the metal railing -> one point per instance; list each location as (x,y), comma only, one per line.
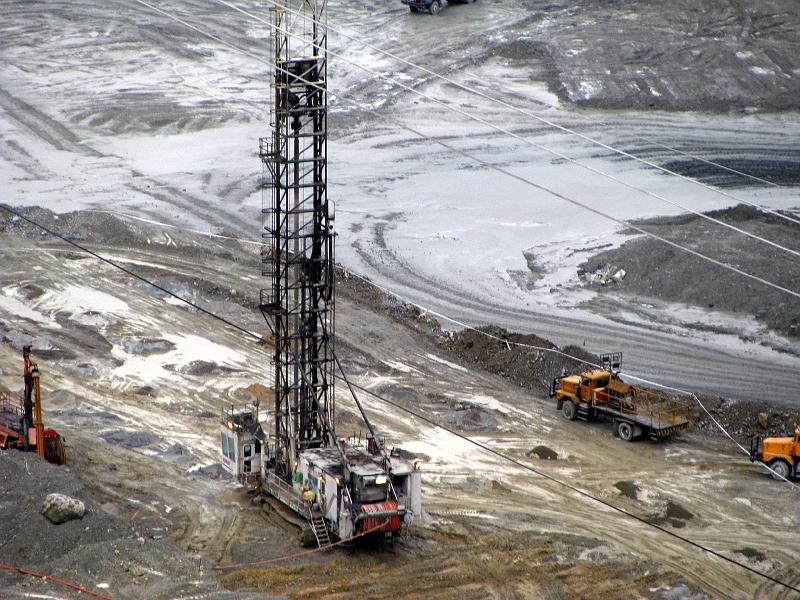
(285,492)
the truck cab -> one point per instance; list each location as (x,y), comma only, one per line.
(780,454)
(578,389)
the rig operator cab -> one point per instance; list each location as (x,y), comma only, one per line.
(636,412)
(780,454)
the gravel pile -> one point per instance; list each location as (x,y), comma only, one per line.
(741,418)
(98,552)
(657,271)
(527,367)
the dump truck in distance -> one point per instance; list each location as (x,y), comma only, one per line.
(780,454)
(636,412)
(433,7)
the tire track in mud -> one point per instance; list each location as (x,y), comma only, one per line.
(62,138)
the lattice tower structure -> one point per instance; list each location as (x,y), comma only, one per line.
(298,250)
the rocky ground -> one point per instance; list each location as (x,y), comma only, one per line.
(136,381)
(655,275)
(102,552)
(633,63)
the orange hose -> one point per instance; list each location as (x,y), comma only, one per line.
(54,580)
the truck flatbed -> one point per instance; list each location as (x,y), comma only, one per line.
(636,411)
(655,412)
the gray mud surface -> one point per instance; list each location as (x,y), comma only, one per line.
(148,463)
(682,55)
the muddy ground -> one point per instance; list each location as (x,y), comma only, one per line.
(140,413)
(656,274)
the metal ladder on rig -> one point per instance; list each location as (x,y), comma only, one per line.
(320,530)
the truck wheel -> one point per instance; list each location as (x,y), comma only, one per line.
(413,9)
(436,7)
(780,469)
(625,431)
(568,410)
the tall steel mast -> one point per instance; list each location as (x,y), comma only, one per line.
(298,255)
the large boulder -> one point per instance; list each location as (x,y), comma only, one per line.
(59,508)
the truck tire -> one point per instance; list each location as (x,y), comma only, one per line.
(780,469)
(625,431)
(568,410)
(435,7)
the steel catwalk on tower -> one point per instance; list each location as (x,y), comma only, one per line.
(298,253)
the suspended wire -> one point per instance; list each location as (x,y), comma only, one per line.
(133,274)
(415,414)
(558,352)
(510,133)
(482,161)
(514,108)
(487,164)
(570,487)
(411,412)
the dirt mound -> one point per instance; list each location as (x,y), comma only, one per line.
(530,368)
(654,270)
(99,552)
(629,489)
(76,226)
(472,419)
(542,453)
(741,418)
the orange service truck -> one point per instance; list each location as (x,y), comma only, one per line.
(780,454)
(635,411)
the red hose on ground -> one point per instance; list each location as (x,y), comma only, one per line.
(54,580)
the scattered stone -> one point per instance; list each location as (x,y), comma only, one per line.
(129,439)
(763,420)
(60,508)
(212,471)
(543,453)
(307,537)
(472,419)
(629,489)
(201,368)
(145,390)
(146,346)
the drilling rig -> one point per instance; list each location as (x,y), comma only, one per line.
(21,424)
(342,489)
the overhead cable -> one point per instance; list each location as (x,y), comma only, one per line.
(465,326)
